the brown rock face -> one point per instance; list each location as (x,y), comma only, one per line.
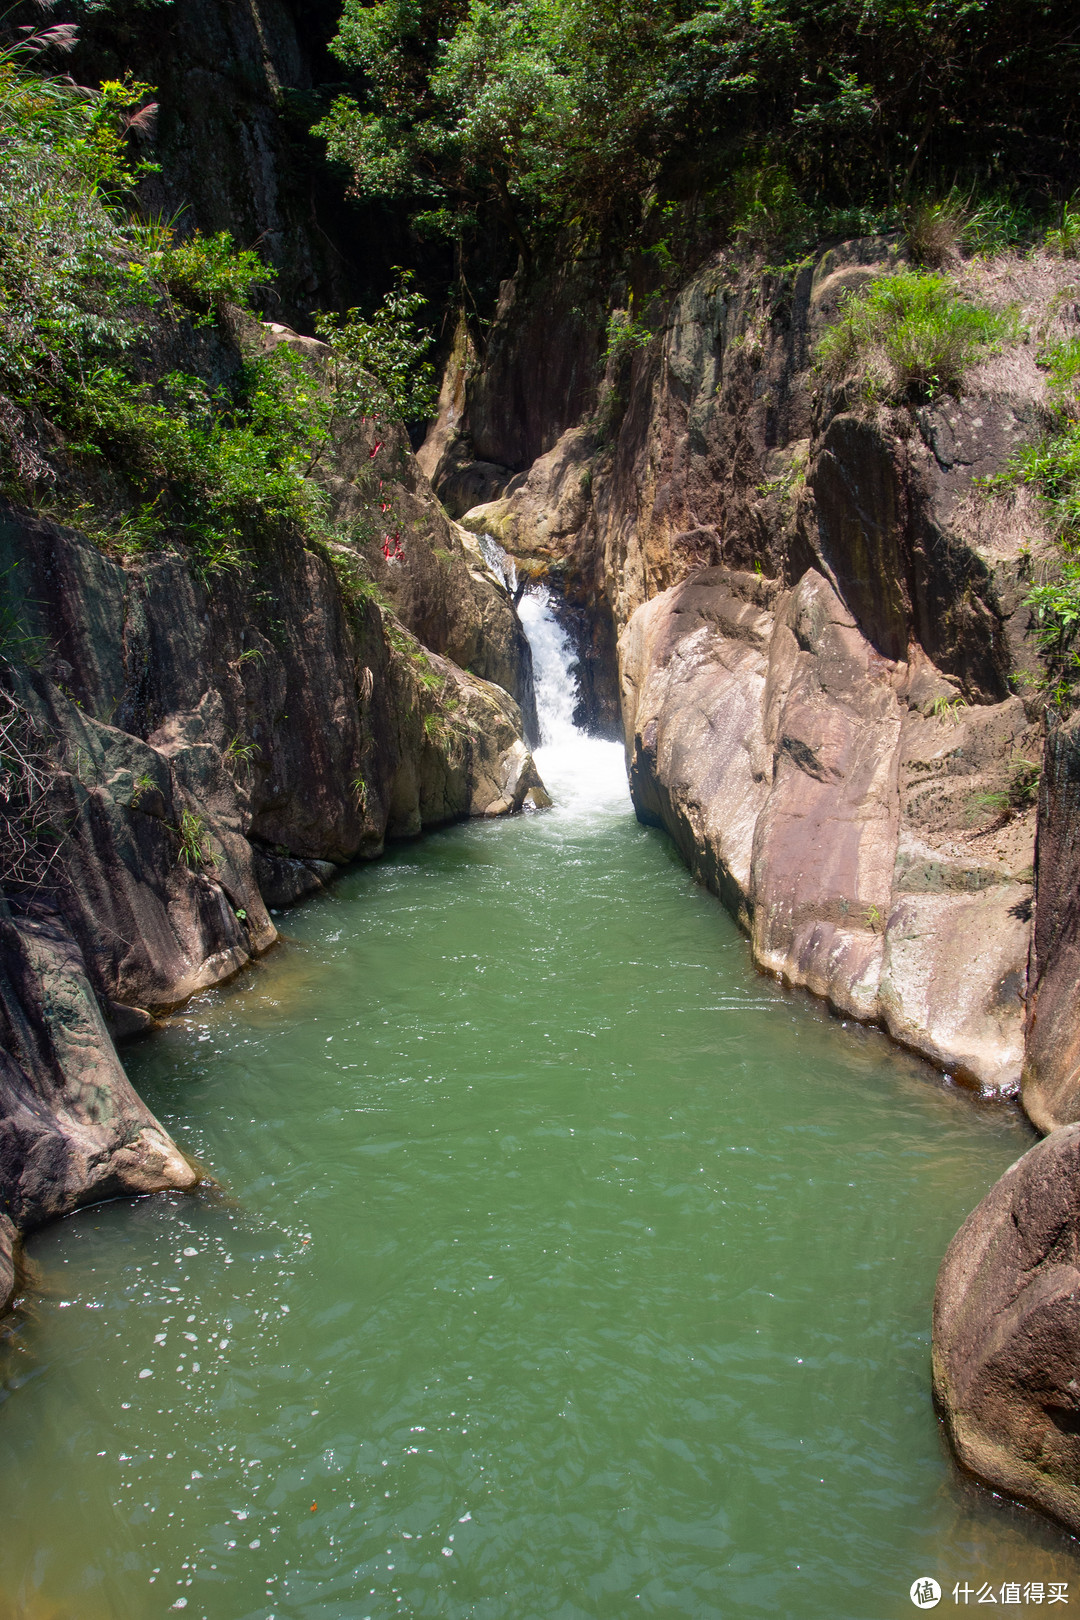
(790,763)
(211,746)
(72,1129)
(1052,1068)
(1007,1331)
(821,627)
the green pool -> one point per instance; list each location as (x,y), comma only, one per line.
(560,1265)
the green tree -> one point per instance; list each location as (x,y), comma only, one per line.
(546,111)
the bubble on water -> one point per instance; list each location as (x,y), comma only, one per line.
(255,1544)
(147,1372)
(189,1254)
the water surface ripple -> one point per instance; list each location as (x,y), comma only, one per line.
(562,1266)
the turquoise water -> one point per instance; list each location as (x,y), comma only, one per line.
(560,1265)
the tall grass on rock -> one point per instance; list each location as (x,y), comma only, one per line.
(912,335)
(1051,467)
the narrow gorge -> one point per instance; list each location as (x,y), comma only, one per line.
(546,841)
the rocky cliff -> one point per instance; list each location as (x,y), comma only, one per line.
(236,88)
(831,693)
(822,642)
(185,750)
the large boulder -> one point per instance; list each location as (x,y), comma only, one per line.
(1006,1340)
(72,1130)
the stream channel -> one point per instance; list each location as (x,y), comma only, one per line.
(560,1266)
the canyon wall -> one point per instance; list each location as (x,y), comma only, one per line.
(797,600)
(828,677)
(197,748)
(833,699)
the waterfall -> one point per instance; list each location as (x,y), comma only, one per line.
(580,772)
(554,680)
(499,561)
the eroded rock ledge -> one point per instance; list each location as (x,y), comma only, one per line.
(808,781)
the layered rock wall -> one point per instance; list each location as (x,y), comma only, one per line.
(792,763)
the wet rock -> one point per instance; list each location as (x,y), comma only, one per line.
(1051,1088)
(283,881)
(1006,1340)
(126,1022)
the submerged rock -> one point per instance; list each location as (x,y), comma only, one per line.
(1007,1332)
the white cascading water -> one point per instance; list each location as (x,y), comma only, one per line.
(499,561)
(579,771)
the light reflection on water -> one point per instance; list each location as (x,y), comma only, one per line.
(561,1266)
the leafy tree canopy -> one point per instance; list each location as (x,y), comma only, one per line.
(550,111)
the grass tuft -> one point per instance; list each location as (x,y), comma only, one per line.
(913,335)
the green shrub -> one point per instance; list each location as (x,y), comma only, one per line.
(356,587)
(193,839)
(147,457)
(1062,362)
(913,334)
(938,230)
(1056,605)
(214,467)
(995,222)
(201,272)
(1052,469)
(625,335)
(768,207)
(380,366)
